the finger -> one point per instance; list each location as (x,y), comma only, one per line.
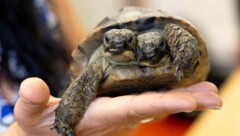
(125,108)
(205,94)
(131,108)
(202,86)
(34,95)
(135,107)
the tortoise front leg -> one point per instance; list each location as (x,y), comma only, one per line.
(184,49)
(78,96)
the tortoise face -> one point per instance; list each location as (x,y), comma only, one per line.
(119,45)
(151,49)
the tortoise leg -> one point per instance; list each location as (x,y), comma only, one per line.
(184,49)
(78,96)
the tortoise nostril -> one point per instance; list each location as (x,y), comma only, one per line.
(118,44)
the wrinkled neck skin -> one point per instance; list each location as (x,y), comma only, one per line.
(114,63)
(126,58)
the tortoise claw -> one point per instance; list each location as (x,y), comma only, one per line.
(63,129)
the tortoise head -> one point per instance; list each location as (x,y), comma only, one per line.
(119,45)
(151,49)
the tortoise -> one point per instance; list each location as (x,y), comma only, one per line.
(137,50)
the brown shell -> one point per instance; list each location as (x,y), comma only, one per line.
(140,20)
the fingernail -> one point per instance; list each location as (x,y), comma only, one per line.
(215,107)
(147,120)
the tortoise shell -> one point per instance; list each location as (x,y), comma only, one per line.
(141,78)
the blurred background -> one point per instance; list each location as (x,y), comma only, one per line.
(217,21)
(38,36)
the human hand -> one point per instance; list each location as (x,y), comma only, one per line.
(34,110)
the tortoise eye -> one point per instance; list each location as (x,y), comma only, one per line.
(162,46)
(106,40)
(130,40)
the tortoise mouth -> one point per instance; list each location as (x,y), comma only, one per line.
(115,51)
(153,58)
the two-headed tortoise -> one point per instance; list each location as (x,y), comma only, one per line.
(137,50)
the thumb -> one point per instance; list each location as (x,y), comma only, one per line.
(34,95)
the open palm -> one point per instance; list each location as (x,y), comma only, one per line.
(34,110)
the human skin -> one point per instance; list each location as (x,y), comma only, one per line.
(34,110)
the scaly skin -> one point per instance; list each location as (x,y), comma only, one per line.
(151,49)
(78,96)
(184,49)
